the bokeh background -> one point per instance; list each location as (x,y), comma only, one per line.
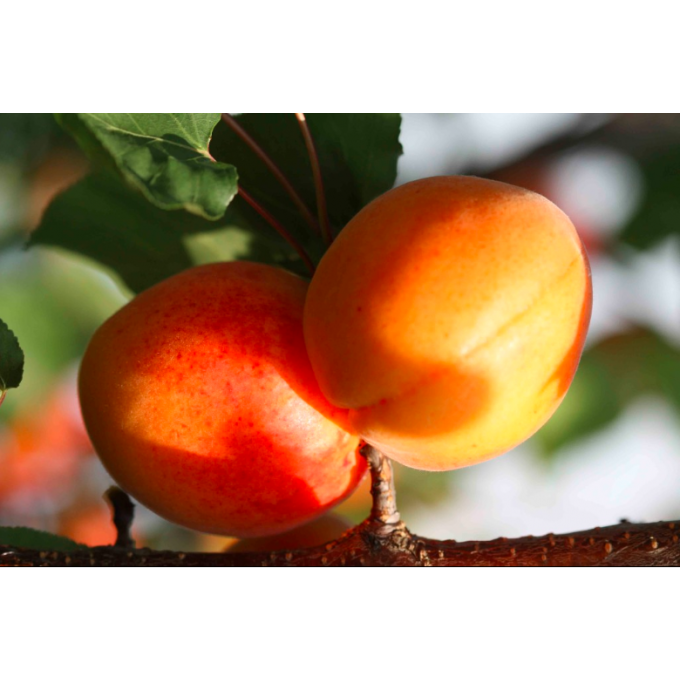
(612,450)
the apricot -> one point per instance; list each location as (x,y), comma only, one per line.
(201,403)
(449,317)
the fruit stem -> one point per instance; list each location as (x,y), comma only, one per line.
(274,169)
(123,514)
(280,229)
(384,511)
(318,179)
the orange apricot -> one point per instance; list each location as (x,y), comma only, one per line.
(449,317)
(200,401)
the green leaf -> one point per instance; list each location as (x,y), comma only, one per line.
(358,153)
(612,374)
(22,537)
(241,243)
(164,155)
(101,218)
(11,360)
(358,156)
(658,215)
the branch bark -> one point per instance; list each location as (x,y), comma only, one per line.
(383,540)
(625,544)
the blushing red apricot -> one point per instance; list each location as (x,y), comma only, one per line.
(201,403)
(449,317)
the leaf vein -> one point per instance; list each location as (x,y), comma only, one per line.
(115,128)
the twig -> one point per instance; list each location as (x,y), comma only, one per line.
(384,512)
(123,515)
(274,169)
(280,229)
(318,179)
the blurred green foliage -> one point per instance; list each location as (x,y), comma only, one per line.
(612,374)
(26,138)
(658,215)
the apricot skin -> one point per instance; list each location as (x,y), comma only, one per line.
(201,403)
(449,317)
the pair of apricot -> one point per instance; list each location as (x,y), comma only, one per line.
(443,326)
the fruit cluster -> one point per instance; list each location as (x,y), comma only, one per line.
(443,326)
